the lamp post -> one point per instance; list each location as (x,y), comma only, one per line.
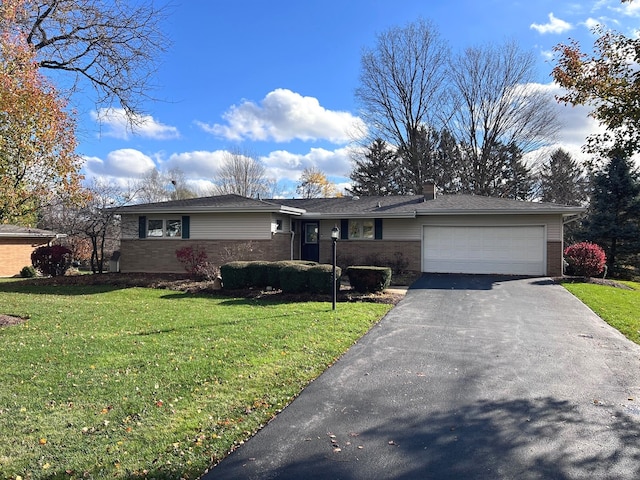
(335,233)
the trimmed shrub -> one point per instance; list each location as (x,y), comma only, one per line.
(369,279)
(585,259)
(28,272)
(52,260)
(294,278)
(257,273)
(273,270)
(235,275)
(320,278)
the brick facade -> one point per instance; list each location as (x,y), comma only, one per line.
(15,253)
(554,259)
(360,252)
(159,255)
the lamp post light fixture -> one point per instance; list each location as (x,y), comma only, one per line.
(335,233)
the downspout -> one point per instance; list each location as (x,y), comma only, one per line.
(293,235)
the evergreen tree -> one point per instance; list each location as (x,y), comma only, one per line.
(517,181)
(614,218)
(436,158)
(502,173)
(562,180)
(376,173)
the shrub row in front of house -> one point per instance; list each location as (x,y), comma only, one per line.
(299,276)
(290,276)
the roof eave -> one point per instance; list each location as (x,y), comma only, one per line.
(208,209)
(564,212)
(337,216)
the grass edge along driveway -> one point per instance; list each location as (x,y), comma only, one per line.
(618,307)
(102,382)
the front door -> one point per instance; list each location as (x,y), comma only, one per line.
(310,237)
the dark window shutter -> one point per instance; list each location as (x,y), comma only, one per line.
(344,229)
(142,227)
(377,227)
(186,225)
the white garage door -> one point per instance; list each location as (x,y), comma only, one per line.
(503,250)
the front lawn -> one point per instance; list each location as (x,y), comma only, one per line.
(618,307)
(108,382)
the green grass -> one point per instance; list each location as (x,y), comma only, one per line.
(126,383)
(618,307)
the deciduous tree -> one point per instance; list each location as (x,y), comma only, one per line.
(38,162)
(314,184)
(110,46)
(402,84)
(241,174)
(161,186)
(498,108)
(608,81)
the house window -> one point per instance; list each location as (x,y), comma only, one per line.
(164,228)
(174,228)
(279,224)
(361,229)
(155,228)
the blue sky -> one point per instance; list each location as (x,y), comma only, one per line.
(277,79)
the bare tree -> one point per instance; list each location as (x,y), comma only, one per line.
(161,186)
(402,87)
(95,222)
(498,105)
(241,174)
(112,44)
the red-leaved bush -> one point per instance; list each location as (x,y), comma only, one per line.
(585,259)
(52,260)
(196,263)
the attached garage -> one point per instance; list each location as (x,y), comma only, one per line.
(511,250)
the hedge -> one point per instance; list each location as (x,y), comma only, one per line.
(366,279)
(235,275)
(320,278)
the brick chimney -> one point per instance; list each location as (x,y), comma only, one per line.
(429,190)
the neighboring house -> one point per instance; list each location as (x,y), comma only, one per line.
(17,244)
(456,234)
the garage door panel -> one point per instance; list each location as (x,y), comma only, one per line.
(503,250)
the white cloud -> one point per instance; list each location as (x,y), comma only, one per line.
(118,125)
(283,165)
(197,164)
(592,23)
(123,163)
(631,9)
(555,25)
(282,116)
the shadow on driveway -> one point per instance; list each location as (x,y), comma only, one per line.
(452,281)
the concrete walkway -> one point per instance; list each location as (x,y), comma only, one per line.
(467,377)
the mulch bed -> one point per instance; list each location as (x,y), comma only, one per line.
(598,281)
(9,320)
(180,283)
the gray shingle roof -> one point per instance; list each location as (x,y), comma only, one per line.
(18,231)
(379,206)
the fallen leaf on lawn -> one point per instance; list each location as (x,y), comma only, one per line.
(42,441)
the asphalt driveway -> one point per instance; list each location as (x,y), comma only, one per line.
(468,377)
